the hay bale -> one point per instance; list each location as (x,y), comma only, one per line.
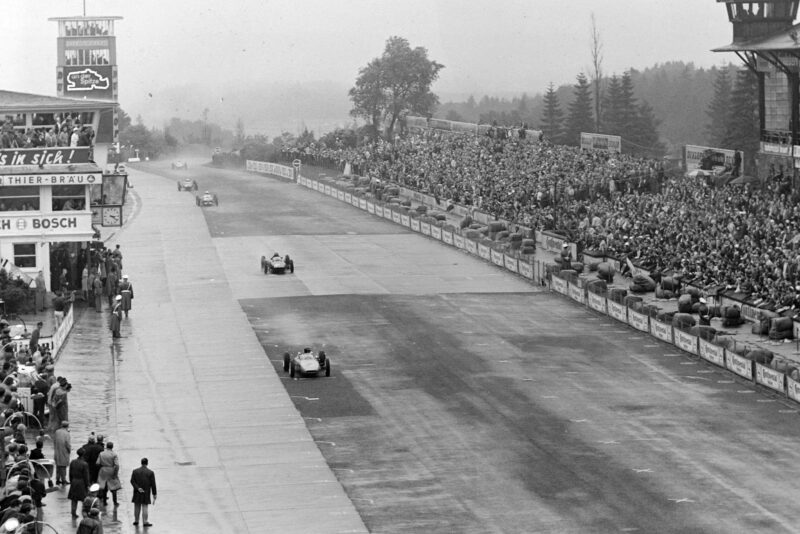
(527,250)
(780,364)
(685,303)
(568,275)
(598,287)
(514,245)
(501,235)
(781,323)
(617,294)
(496,226)
(606,271)
(637,306)
(406,203)
(767,314)
(694,292)
(761,327)
(669,283)
(762,356)
(466,222)
(593,266)
(665,316)
(577,266)
(683,321)
(707,333)
(422,208)
(472,234)
(631,299)
(529,243)
(730,312)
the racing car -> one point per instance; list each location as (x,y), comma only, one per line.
(306,363)
(187,184)
(276,264)
(206,199)
(179,165)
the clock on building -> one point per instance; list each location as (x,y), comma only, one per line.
(112,215)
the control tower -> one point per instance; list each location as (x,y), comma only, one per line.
(87,65)
(768,42)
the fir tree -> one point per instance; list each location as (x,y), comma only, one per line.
(552,122)
(719,109)
(742,125)
(611,103)
(579,113)
(642,138)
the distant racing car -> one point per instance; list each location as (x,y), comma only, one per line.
(179,165)
(276,264)
(187,184)
(206,199)
(306,363)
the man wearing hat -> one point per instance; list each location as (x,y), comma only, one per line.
(62,446)
(116,316)
(79,481)
(91,501)
(126,291)
(566,257)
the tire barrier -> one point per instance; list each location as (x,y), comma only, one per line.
(762,368)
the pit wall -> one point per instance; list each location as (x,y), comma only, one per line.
(535,271)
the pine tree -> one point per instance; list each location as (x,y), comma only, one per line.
(642,138)
(719,109)
(628,113)
(611,107)
(742,125)
(579,114)
(552,122)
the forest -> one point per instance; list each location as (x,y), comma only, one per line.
(678,96)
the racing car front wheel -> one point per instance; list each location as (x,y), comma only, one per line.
(287,360)
(327,367)
(291,370)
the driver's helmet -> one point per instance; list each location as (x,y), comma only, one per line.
(206,193)
(306,350)
(276,255)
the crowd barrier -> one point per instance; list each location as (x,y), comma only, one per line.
(53,342)
(265,167)
(535,270)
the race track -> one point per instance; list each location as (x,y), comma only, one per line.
(465,400)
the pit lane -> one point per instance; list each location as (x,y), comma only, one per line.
(464,400)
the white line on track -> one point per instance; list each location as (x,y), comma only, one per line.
(681,500)
(697,378)
(305,398)
(643,470)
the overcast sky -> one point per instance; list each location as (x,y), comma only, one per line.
(486,46)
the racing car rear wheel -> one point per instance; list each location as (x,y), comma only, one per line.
(291,370)
(287,360)
(327,367)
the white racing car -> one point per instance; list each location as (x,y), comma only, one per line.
(179,165)
(306,363)
(276,264)
(187,184)
(206,199)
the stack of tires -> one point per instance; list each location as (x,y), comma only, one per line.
(781,328)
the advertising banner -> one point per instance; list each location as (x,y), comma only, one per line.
(459,241)
(661,331)
(769,377)
(576,293)
(484,252)
(525,269)
(447,237)
(65,223)
(425,228)
(639,321)
(378,210)
(618,311)
(371,208)
(348,198)
(559,285)
(471,246)
(17,157)
(51,179)
(388,213)
(340,195)
(314,185)
(597,302)
(436,232)
(415,225)
(496,257)
(741,366)
(693,156)
(405,220)
(712,353)
(354,200)
(510,262)
(553,243)
(606,143)
(396,217)
(93,82)
(685,341)
(327,189)
(793,389)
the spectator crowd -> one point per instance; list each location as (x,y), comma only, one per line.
(738,237)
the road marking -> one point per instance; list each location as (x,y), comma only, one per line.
(697,378)
(305,398)
(503,361)
(527,379)
(579,420)
(317,419)
(630,529)
(745,391)
(342,469)
(362,499)
(549,397)
(331,443)
(688,363)
(787,411)
(725,381)
(765,400)
(643,470)
(682,500)
(652,346)
(706,371)
(608,442)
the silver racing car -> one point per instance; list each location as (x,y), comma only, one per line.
(306,363)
